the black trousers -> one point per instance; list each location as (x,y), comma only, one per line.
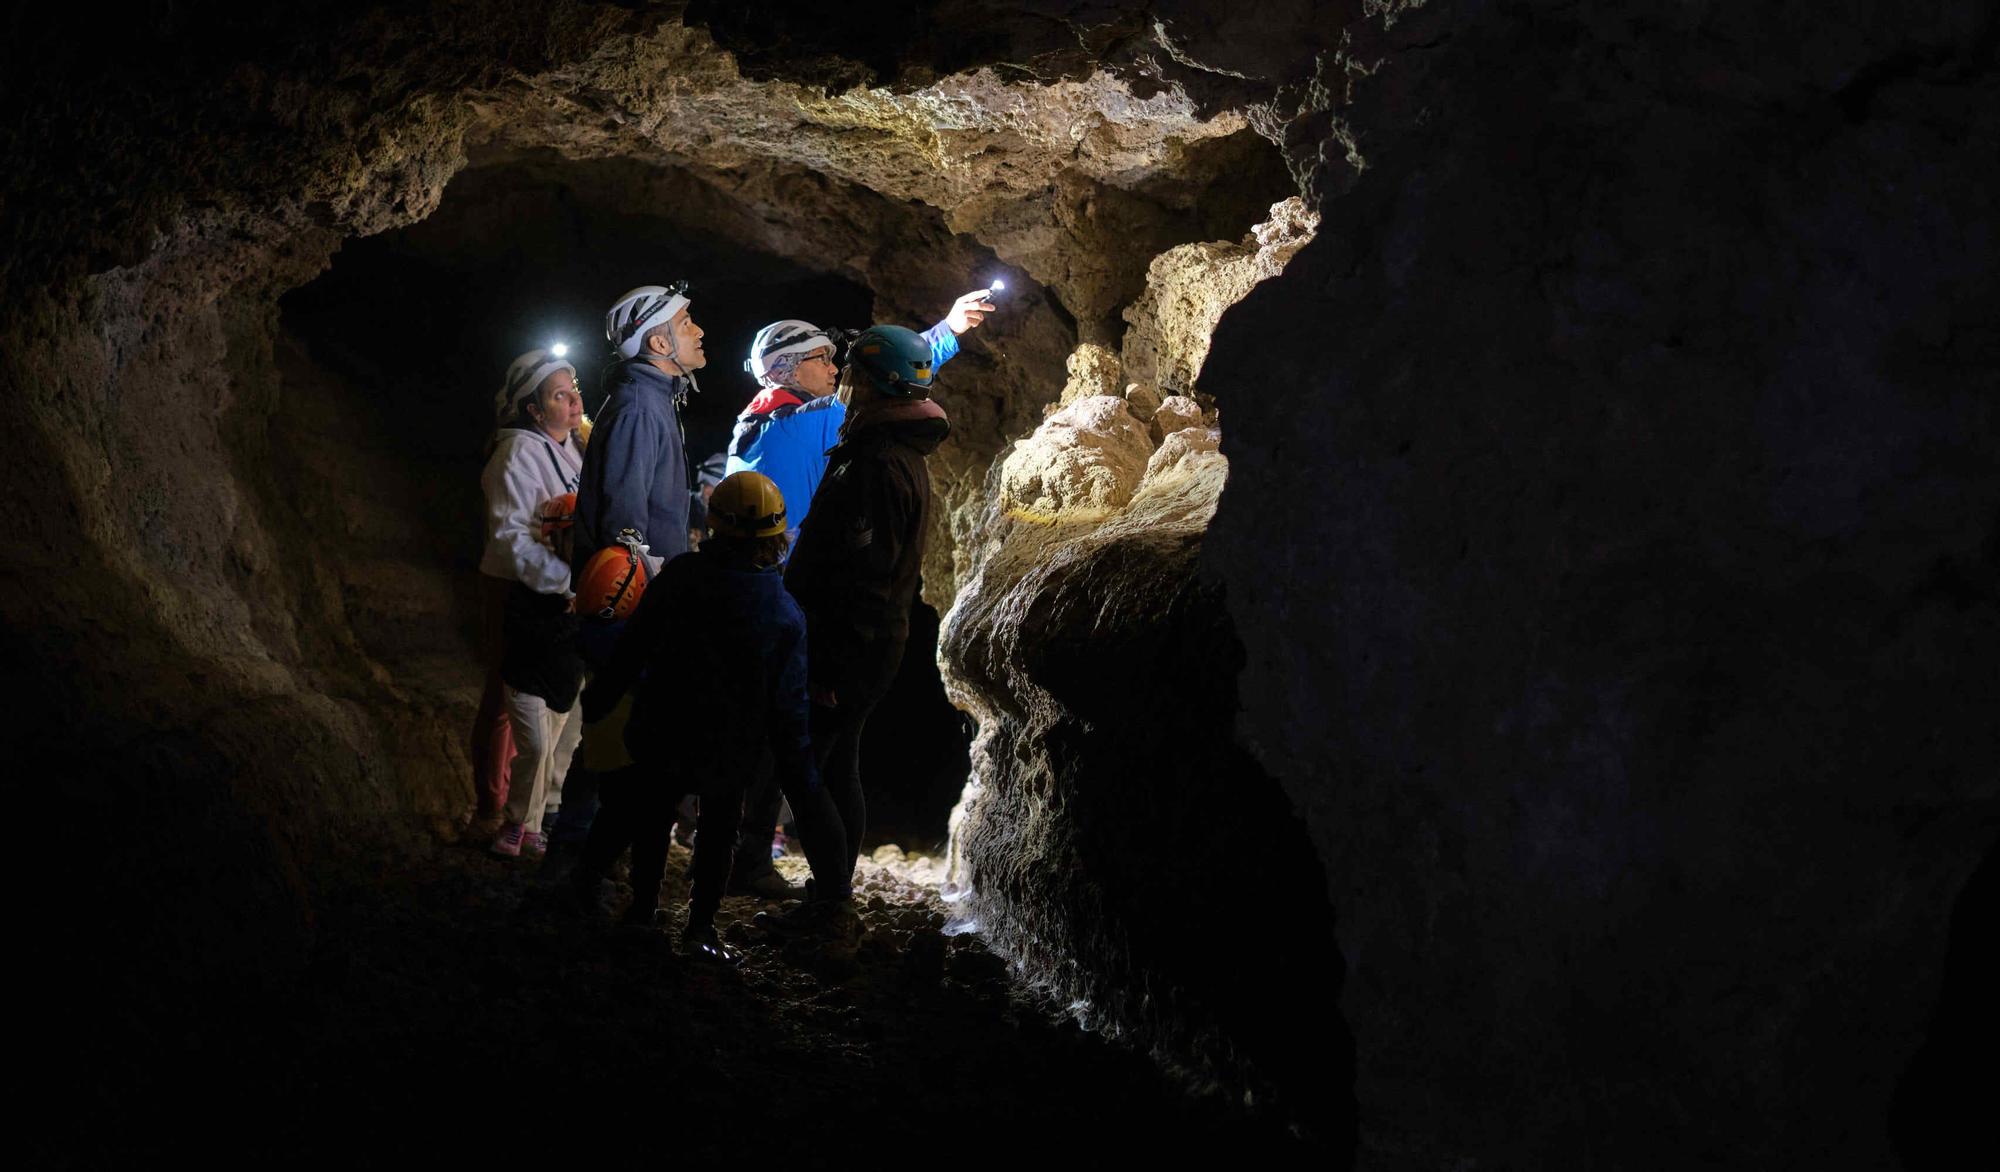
(638,812)
(762,799)
(841,811)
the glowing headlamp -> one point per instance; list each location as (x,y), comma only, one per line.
(559,349)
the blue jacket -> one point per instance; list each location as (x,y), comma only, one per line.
(718,657)
(635,473)
(790,444)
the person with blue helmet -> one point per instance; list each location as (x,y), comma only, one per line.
(785,433)
(855,571)
(787,429)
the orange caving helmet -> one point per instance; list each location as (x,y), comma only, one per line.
(613,580)
(557,518)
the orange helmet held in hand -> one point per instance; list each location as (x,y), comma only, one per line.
(613,580)
(557,516)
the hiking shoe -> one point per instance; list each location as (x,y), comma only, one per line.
(818,917)
(767,885)
(646,919)
(508,843)
(703,944)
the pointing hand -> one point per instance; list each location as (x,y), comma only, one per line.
(968,311)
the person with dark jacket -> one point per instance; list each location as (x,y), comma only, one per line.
(714,660)
(635,472)
(785,432)
(860,549)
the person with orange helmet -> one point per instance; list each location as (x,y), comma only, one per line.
(533,467)
(708,677)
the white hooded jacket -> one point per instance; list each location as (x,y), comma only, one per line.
(526,469)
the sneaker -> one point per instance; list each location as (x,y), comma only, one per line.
(768,885)
(508,844)
(535,844)
(703,944)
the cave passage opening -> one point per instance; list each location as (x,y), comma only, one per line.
(392,356)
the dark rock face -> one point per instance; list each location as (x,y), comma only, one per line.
(1617,572)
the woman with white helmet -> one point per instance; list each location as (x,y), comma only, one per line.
(535,458)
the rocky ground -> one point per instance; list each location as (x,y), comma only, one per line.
(453,1009)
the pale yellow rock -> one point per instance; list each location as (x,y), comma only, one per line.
(1176,413)
(1093,370)
(1188,288)
(1083,462)
(1181,450)
(1143,399)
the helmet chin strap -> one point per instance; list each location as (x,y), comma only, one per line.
(673,355)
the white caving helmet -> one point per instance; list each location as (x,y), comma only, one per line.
(780,338)
(640,310)
(525,376)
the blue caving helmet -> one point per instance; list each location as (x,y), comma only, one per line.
(896,360)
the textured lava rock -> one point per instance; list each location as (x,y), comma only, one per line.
(1617,570)
(1144,870)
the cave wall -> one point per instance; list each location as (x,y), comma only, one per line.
(1609,554)
(1618,578)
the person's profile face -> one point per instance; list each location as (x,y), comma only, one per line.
(816,372)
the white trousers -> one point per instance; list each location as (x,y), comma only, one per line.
(544,741)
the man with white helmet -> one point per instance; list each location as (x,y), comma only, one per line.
(786,431)
(635,474)
(635,471)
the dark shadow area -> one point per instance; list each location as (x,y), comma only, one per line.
(913,754)
(1943,1106)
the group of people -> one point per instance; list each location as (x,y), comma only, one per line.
(734,636)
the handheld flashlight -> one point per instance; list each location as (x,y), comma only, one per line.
(998,286)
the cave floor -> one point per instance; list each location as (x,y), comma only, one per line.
(452,1010)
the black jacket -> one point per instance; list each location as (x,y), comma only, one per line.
(717,656)
(540,655)
(860,550)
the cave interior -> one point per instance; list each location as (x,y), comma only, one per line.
(1458,631)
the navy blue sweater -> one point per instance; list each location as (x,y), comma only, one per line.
(635,473)
(718,657)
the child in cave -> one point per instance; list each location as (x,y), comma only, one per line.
(715,661)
